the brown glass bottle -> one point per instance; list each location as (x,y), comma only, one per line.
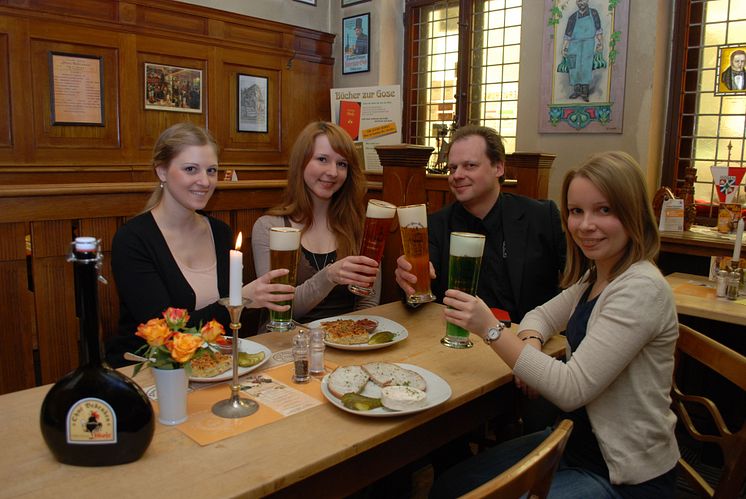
(94,416)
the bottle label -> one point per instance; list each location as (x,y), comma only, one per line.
(91,421)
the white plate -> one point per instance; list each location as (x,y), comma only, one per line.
(438,391)
(243,346)
(384,324)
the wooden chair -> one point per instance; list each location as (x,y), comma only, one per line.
(532,474)
(732,366)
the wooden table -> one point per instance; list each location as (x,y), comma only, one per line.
(322,451)
(697,243)
(695,296)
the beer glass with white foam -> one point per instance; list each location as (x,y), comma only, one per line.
(413,226)
(378,218)
(465,260)
(284,249)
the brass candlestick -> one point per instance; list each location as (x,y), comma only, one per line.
(234,407)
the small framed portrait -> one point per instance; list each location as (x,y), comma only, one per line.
(347,3)
(356,44)
(731,71)
(76,89)
(171,88)
(252,104)
(309,2)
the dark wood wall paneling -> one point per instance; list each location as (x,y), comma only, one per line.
(126,34)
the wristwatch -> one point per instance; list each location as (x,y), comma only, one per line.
(494,333)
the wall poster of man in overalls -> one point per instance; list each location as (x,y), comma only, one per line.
(583,66)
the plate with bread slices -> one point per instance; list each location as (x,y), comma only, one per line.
(384,389)
(360,332)
(217,366)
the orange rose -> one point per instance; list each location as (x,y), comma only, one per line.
(155,332)
(211,331)
(182,346)
(176,318)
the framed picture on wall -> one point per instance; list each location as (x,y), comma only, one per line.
(347,3)
(76,89)
(171,88)
(731,71)
(309,2)
(252,104)
(356,44)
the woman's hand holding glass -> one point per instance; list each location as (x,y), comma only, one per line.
(262,293)
(356,270)
(468,311)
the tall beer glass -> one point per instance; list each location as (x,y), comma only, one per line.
(284,248)
(413,225)
(378,218)
(463,274)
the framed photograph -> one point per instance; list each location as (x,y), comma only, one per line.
(76,89)
(309,2)
(583,66)
(356,44)
(252,104)
(731,71)
(171,88)
(347,3)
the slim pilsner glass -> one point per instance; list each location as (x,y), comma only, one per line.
(413,225)
(378,218)
(284,248)
(463,274)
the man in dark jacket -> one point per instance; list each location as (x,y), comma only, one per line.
(524,252)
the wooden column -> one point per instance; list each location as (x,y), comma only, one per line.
(531,172)
(403,184)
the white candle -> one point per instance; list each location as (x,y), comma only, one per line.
(737,247)
(236,275)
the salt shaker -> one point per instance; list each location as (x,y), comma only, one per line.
(722,282)
(317,351)
(300,357)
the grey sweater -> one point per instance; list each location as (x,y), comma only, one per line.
(621,372)
(312,286)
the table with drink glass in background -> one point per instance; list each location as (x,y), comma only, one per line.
(321,451)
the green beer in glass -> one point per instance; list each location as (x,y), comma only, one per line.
(284,250)
(463,274)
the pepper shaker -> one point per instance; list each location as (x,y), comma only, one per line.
(734,285)
(317,351)
(300,357)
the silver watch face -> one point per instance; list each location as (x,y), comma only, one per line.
(493,333)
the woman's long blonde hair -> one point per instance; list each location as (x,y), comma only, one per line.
(619,178)
(170,144)
(346,211)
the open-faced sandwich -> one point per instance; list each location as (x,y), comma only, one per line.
(400,389)
(346,332)
(211,364)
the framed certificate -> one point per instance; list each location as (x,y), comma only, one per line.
(76,89)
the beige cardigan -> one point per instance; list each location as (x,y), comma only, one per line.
(621,372)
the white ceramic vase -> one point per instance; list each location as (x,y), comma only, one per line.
(171,390)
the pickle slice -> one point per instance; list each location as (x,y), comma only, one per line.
(381,337)
(358,402)
(249,359)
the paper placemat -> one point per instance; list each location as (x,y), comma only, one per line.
(272,388)
(695,290)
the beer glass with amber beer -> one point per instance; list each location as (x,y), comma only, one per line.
(378,218)
(465,259)
(413,225)
(284,248)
